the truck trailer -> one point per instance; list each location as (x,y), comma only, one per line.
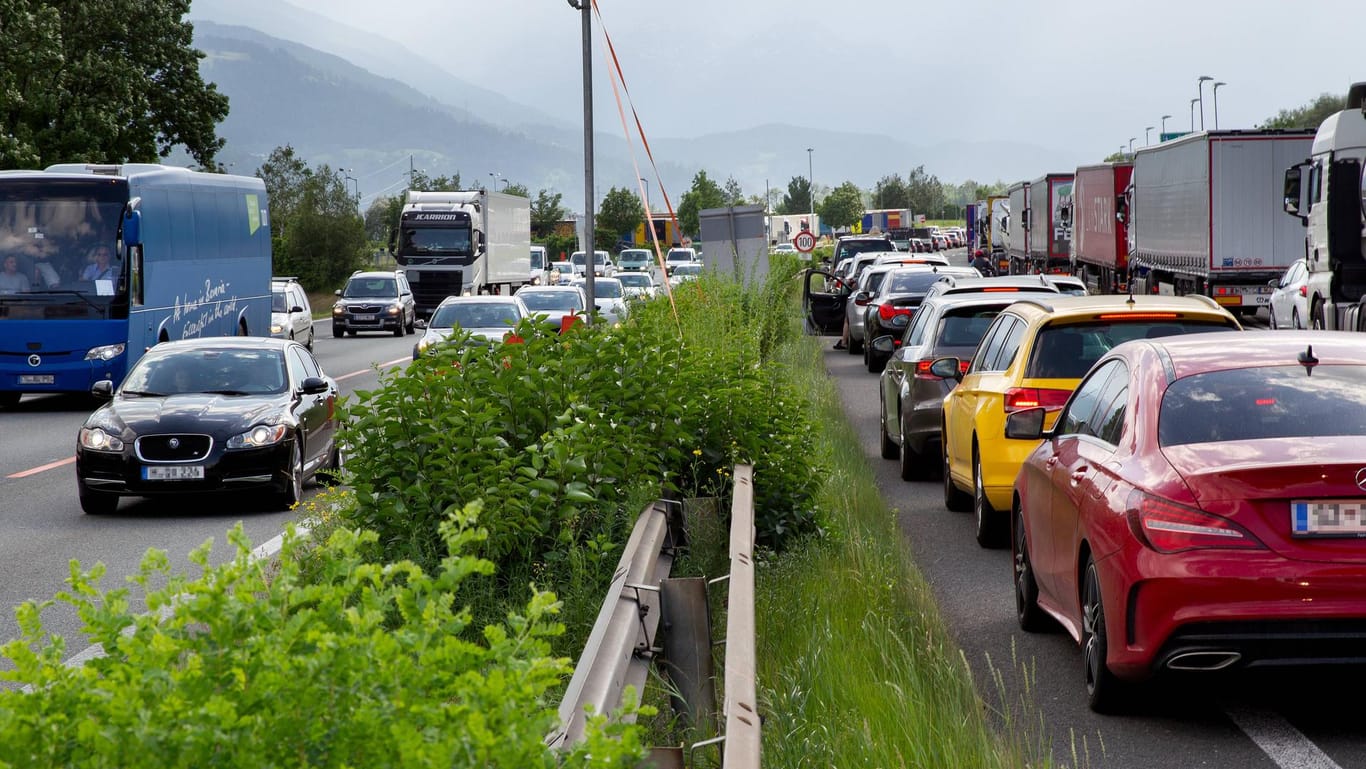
(1205,215)
(1017,229)
(463,242)
(1327,193)
(883,220)
(1100,236)
(1050,224)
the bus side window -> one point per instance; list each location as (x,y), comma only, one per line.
(135,294)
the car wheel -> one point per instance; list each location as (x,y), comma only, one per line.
(294,489)
(989,525)
(889,448)
(309,343)
(912,461)
(1271,311)
(338,332)
(398,330)
(331,475)
(1295,321)
(1103,690)
(350,332)
(955,498)
(1032,619)
(412,323)
(97,502)
(872,360)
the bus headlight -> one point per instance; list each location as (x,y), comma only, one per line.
(258,436)
(105,352)
(96,439)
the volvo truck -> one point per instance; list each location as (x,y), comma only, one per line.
(464,242)
(1327,193)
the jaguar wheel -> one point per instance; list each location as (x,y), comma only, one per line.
(294,488)
(97,502)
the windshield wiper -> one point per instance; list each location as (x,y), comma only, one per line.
(227,392)
(144,393)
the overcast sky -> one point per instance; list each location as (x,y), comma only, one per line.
(1080,75)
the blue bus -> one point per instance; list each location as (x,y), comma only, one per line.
(100,262)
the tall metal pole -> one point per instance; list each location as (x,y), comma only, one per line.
(1193,102)
(1216,104)
(589,250)
(1131,145)
(1147,136)
(811,193)
(1164,127)
(1200,88)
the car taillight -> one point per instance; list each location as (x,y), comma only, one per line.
(886,311)
(1168,527)
(1021,398)
(922,369)
(1304,291)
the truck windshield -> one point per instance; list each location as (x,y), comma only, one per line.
(58,249)
(434,242)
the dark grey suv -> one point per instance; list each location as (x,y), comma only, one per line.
(374,301)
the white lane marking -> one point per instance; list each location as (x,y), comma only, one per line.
(1281,742)
(394,362)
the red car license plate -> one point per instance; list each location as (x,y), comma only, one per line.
(1328,518)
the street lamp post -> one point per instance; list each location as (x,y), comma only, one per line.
(645,183)
(1200,88)
(1216,103)
(1193,103)
(1131,145)
(1147,135)
(811,191)
(1164,127)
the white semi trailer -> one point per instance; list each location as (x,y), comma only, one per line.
(463,242)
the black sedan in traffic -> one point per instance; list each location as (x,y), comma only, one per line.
(210,416)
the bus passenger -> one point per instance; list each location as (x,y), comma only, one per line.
(11,280)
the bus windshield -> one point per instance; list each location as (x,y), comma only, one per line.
(58,249)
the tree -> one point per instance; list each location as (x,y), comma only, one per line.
(315,231)
(843,206)
(926,192)
(1310,115)
(113,81)
(382,216)
(619,214)
(519,190)
(798,197)
(424,183)
(703,194)
(546,212)
(734,195)
(892,192)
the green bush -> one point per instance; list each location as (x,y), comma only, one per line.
(362,664)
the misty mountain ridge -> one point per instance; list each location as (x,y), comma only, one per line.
(355,100)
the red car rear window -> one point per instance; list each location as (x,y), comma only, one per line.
(1268,402)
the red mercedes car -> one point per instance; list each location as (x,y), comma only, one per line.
(1200,505)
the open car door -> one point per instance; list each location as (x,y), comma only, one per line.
(823,299)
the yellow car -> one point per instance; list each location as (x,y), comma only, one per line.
(1035,353)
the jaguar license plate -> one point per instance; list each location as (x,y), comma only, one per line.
(1328,518)
(173,473)
(36,379)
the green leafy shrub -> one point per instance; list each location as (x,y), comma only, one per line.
(363,664)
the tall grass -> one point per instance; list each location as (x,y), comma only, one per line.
(856,666)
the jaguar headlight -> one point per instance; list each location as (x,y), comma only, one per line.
(258,436)
(96,439)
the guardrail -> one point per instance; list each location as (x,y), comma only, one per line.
(626,638)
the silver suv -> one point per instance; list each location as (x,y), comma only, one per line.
(291,317)
(374,301)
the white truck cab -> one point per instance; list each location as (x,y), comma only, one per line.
(1328,193)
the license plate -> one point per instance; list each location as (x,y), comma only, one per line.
(365,317)
(1328,518)
(1261,300)
(36,379)
(173,473)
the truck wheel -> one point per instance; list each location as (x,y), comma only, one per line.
(1316,315)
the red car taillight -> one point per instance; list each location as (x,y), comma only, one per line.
(886,311)
(1168,527)
(922,369)
(1021,398)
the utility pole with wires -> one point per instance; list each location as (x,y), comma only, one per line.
(585,8)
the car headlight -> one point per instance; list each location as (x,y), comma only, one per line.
(96,439)
(339,309)
(258,436)
(422,345)
(105,352)
(277,328)
(395,308)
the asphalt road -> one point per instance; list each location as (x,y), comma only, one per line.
(1298,719)
(42,527)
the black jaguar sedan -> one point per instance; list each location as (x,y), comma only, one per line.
(211,416)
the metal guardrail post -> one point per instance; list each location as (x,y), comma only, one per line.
(622,642)
(741,701)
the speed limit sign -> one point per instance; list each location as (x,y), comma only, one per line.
(804,241)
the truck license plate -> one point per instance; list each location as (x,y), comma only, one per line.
(173,473)
(36,379)
(1328,518)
